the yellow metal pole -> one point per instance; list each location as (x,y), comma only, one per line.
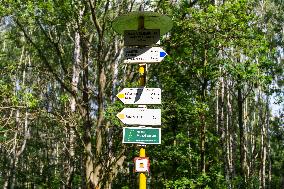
(142,152)
(142,75)
(142,176)
(142,83)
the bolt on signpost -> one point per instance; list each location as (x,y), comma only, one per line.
(142,32)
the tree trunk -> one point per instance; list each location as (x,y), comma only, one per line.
(226,136)
(268,144)
(18,148)
(264,126)
(245,121)
(229,131)
(87,123)
(241,132)
(74,86)
(202,116)
(242,138)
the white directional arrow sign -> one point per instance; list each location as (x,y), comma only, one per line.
(140,95)
(140,116)
(144,55)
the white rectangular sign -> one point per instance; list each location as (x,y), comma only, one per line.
(140,95)
(144,55)
(141,37)
(140,116)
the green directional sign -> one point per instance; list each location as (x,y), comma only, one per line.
(142,135)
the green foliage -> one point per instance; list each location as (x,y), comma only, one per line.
(30,100)
(214,51)
(181,183)
(277,152)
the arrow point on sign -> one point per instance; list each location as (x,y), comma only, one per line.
(163,54)
(120,116)
(120,95)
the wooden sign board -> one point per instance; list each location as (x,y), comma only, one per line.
(141,37)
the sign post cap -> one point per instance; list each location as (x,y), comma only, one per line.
(152,20)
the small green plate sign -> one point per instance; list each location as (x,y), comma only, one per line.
(141,135)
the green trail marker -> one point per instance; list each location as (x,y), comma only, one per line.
(141,135)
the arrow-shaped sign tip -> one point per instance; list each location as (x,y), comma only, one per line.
(120,95)
(163,54)
(120,116)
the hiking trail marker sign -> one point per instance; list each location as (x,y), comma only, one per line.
(142,164)
(143,55)
(141,37)
(141,95)
(142,135)
(140,116)
(142,30)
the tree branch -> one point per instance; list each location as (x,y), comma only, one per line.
(94,17)
(55,45)
(44,59)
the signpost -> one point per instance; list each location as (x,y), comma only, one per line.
(140,116)
(142,30)
(144,55)
(140,95)
(141,135)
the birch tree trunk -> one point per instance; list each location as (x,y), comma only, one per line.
(268,143)
(225,131)
(202,115)
(263,156)
(246,133)
(21,129)
(242,142)
(229,131)
(74,88)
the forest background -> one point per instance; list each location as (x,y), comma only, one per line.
(61,68)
